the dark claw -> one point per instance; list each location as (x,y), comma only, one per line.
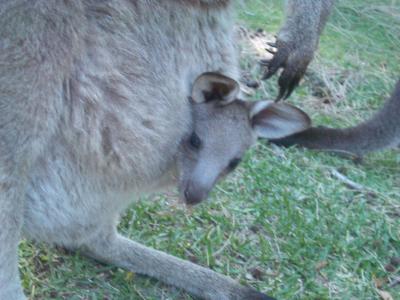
(264,62)
(273,52)
(287,85)
(278,61)
(292,85)
(282,92)
(294,62)
(290,77)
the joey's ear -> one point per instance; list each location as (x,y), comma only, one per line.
(272,120)
(214,87)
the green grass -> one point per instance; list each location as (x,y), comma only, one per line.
(282,223)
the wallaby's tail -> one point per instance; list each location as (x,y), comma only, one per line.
(381,131)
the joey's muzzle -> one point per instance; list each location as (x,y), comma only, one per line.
(199,183)
(194,193)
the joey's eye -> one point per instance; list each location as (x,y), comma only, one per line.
(234,163)
(195,141)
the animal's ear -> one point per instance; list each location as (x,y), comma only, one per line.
(214,87)
(273,120)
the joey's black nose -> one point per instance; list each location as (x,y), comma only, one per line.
(194,194)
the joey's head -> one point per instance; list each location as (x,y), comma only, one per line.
(224,127)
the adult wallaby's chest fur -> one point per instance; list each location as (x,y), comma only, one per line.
(129,87)
(125,110)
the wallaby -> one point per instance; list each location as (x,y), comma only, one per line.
(73,202)
(381,131)
(297,41)
(93,108)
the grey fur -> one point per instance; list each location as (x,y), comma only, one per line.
(297,41)
(379,132)
(93,109)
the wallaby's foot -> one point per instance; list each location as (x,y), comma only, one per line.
(201,282)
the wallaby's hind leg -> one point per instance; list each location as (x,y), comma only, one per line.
(110,247)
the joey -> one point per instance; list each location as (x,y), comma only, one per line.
(224,128)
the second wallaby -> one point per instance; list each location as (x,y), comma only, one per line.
(71,202)
(379,132)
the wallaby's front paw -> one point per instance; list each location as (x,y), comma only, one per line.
(294,58)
